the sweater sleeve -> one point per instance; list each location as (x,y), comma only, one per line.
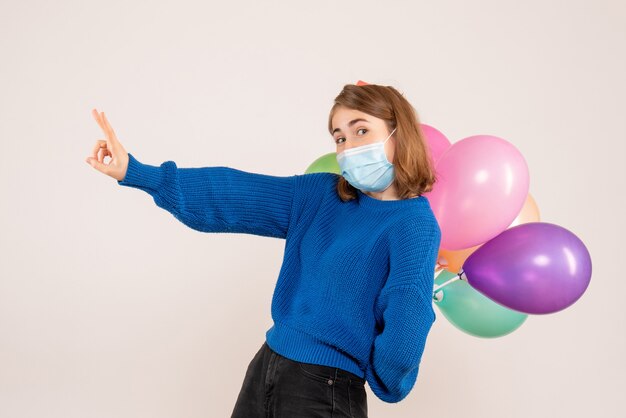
(405,307)
(217,199)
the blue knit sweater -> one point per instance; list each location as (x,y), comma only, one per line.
(355,287)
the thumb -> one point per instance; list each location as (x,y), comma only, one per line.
(96,164)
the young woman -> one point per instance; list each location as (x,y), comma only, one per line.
(353,300)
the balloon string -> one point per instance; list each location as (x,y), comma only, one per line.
(455,278)
(459,276)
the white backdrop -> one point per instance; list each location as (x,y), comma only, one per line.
(110,307)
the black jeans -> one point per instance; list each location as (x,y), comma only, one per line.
(275,386)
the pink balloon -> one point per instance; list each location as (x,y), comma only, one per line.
(482,185)
(437,142)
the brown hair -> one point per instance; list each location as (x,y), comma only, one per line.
(414,174)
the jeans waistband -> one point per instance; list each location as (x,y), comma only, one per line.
(338,374)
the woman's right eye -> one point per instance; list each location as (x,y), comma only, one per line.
(337,140)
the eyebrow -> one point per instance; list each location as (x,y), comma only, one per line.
(352,122)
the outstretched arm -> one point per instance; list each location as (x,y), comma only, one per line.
(208,199)
(217,199)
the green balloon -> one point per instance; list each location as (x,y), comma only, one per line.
(327,163)
(472,312)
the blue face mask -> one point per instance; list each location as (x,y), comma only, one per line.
(366,167)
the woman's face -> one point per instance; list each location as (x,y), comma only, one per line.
(353,128)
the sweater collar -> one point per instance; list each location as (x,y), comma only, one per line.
(371,202)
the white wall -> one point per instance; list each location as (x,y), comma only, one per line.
(110,307)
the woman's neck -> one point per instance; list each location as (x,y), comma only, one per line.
(388,194)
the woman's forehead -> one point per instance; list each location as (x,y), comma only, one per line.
(343,116)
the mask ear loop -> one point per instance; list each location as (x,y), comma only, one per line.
(394,129)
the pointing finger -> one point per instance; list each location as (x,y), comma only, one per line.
(107,125)
(110,135)
(98,119)
(112,138)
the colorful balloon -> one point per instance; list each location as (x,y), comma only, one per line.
(482,184)
(437,142)
(529,212)
(535,268)
(452,260)
(472,312)
(327,163)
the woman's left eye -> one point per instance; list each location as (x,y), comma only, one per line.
(362,129)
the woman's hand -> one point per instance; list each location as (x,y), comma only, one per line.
(111,147)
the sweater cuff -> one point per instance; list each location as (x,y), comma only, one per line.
(142,176)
